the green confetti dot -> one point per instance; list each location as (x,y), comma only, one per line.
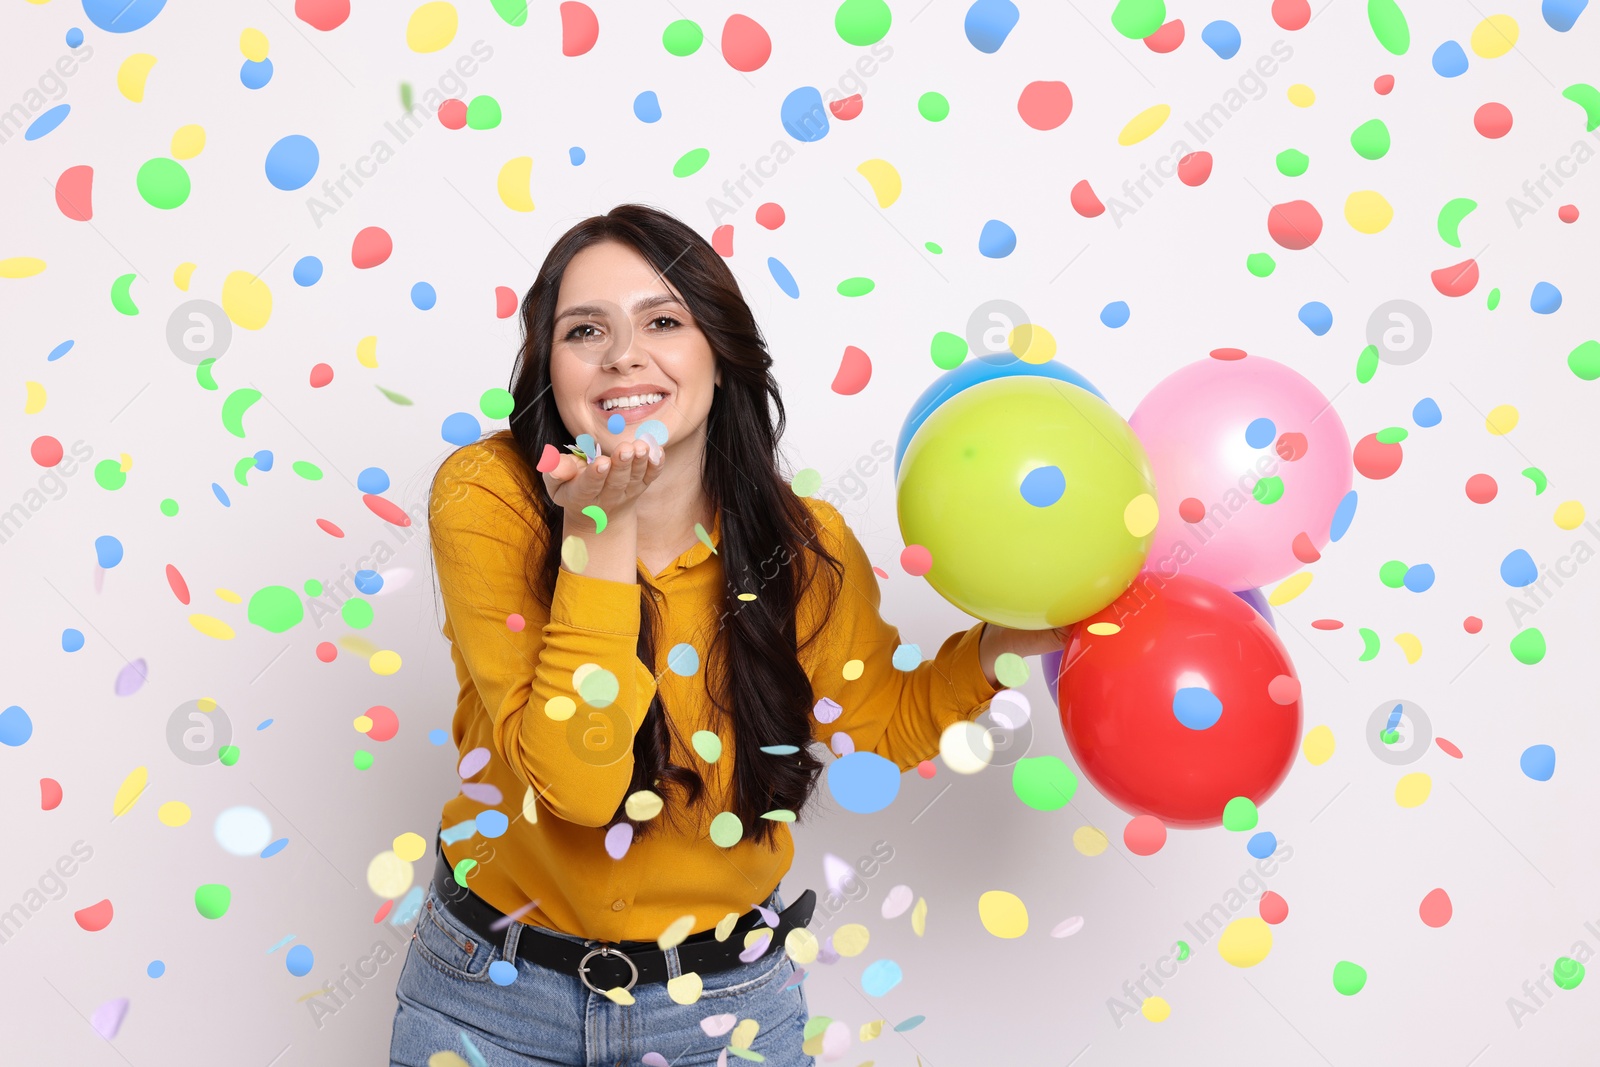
(599,688)
(461,869)
(1528,646)
(163,183)
(1260,264)
(726,830)
(1268,490)
(108,473)
(690,162)
(1370,644)
(1138,19)
(1240,814)
(363,760)
(228,755)
(862,22)
(203,375)
(403,401)
(1371,139)
(1044,783)
(309,471)
(275,608)
(1584,361)
(496,403)
(169,507)
(933,107)
(1567,972)
(1292,162)
(707,745)
(243,468)
(1540,480)
(1393,574)
(313,587)
(683,37)
(515,12)
(1011,670)
(1450,217)
(212,900)
(1392,435)
(856,286)
(598,514)
(356,613)
(1183,951)
(122,296)
(1389,737)
(948,350)
(1367,364)
(779,815)
(806,482)
(405,96)
(1348,978)
(1494,298)
(933,247)
(483,113)
(1389,26)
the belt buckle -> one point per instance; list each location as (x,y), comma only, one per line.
(606,950)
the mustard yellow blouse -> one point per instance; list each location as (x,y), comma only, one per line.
(560,780)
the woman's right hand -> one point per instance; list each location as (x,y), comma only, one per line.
(613,483)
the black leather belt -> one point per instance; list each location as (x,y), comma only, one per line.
(603,965)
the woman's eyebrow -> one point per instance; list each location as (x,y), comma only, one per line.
(600,310)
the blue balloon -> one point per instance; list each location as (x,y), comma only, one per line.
(970,373)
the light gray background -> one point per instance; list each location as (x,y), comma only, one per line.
(1516,856)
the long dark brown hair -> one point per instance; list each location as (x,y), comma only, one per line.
(769,541)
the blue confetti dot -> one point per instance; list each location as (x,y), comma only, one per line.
(683,660)
(263,460)
(1546,299)
(1043,486)
(121,16)
(47,122)
(373,480)
(1559,15)
(292,162)
(652,428)
(1427,413)
(423,297)
(71,640)
(502,972)
(1449,60)
(15,727)
(646,108)
(437,736)
(461,428)
(1262,845)
(263,724)
(307,271)
(1317,317)
(1419,578)
(255,74)
(74,37)
(1342,516)
(803,115)
(576,156)
(587,443)
(988,24)
(781,275)
(1260,433)
(299,961)
(107,551)
(221,494)
(156,969)
(492,823)
(615,422)
(997,241)
(1221,37)
(1517,569)
(276,847)
(906,657)
(863,782)
(1196,708)
(1115,314)
(879,976)
(1539,762)
(368,581)
(59,350)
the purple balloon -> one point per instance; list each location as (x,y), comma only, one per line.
(1256,599)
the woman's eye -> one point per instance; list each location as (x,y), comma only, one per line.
(667,319)
(576,333)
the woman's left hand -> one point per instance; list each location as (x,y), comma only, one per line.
(997,640)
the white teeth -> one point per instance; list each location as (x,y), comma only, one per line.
(630,401)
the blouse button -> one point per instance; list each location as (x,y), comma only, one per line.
(618,905)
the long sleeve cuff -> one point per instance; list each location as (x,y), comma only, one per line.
(600,604)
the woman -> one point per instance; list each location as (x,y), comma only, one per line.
(648,641)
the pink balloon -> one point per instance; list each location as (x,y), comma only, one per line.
(1217,433)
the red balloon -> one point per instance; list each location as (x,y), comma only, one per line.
(1117,691)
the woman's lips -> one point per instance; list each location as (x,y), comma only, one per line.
(634,414)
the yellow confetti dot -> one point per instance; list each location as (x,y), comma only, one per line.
(228,596)
(410,847)
(575,554)
(1301,95)
(1090,841)
(871,1031)
(1318,746)
(173,813)
(1032,343)
(207,704)
(1502,420)
(801,945)
(1246,941)
(919,917)
(1141,514)
(744,1033)
(1144,124)
(530,806)
(515,183)
(362,724)
(188,142)
(641,805)
(1156,1009)
(1569,514)
(446,1058)
(685,989)
(1289,588)
(253,43)
(1367,211)
(1494,36)
(747,596)
(211,626)
(246,300)
(1104,629)
(884,179)
(124,462)
(725,925)
(852,670)
(431,27)
(132,74)
(182,274)
(560,708)
(617,995)
(1412,790)
(20,267)
(388,875)
(1003,914)
(851,939)
(130,790)
(675,932)
(385,662)
(1411,645)
(367,352)
(36,398)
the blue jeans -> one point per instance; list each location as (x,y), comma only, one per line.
(545,1017)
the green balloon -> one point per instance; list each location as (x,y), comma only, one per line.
(1051,557)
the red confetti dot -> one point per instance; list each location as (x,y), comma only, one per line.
(49,794)
(1376,460)
(1436,908)
(1481,488)
(505,301)
(1194,168)
(1294,225)
(1191,510)
(1458,279)
(175,582)
(770,215)
(330,528)
(1291,14)
(1144,835)
(1045,105)
(1084,202)
(1449,748)
(383,911)
(1326,624)
(1284,689)
(516,623)
(385,723)
(95,917)
(1567,213)
(926,769)
(387,510)
(46,451)
(322,15)
(75,193)
(1492,120)
(327,651)
(1228,353)
(1383,84)
(880,572)
(855,371)
(745,45)
(1291,446)
(549,459)
(371,247)
(846,109)
(453,114)
(916,560)
(1472,624)
(1303,549)
(722,240)
(1274,909)
(579,28)
(321,374)
(1167,38)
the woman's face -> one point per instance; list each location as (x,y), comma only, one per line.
(625,345)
